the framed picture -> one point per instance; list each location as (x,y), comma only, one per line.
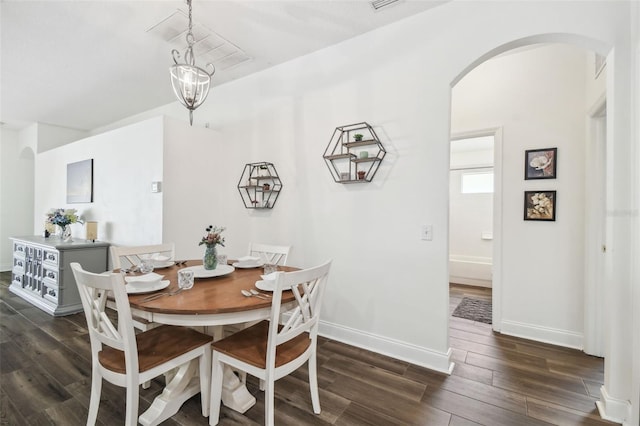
(80,182)
(540,163)
(540,205)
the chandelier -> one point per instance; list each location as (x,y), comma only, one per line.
(190,83)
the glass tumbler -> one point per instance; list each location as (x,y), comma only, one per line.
(269,268)
(146,266)
(185,278)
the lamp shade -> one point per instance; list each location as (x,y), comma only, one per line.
(92,230)
(190,85)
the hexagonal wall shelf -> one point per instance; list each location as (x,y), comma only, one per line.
(354,153)
(259,185)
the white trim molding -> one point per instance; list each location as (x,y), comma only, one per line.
(613,409)
(433,360)
(554,336)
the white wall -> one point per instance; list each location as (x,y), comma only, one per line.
(16,193)
(634,417)
(201,171)
(388,289)
(471,215)
(50,137)
(125,162)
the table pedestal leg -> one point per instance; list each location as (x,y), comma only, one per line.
(183,385)
(234,393)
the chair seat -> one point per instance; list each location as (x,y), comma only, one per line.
(250,346)
(173,342)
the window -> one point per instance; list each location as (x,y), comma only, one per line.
(477,182)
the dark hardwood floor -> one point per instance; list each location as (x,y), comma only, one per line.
(45,379)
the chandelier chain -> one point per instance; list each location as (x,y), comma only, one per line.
(190,33)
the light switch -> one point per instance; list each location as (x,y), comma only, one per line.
(426,232)
(156,187)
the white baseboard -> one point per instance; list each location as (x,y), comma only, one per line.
(612,409)
(434,360)
(554,336)
(6,267)
(470,281)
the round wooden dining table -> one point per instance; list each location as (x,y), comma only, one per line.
(210,303)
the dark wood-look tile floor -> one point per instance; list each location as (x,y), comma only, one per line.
(45,367)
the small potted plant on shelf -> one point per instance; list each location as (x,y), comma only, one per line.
(361,174)
(263,170)
(357,137)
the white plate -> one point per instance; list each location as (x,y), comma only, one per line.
(200,272)
(246,265)
(159,264)
(151,277)
(146,287)
(266,285)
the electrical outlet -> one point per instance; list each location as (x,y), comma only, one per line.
(426,232)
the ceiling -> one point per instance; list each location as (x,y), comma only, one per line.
(86,64)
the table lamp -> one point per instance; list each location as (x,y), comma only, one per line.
(92,231)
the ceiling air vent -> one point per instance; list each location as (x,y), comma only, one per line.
(209,46)
(379,4)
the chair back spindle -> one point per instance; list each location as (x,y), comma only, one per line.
(269,253)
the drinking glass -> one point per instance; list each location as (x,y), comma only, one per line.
(185,278)
(146,266)
(269,268)
(222,259)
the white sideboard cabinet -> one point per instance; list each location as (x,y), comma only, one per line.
(41,273)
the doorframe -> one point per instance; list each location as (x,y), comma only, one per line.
(595,228)
(496,269)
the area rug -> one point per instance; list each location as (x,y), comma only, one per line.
(474,309)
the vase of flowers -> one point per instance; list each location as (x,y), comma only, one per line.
(66,234)
(211,239)
(64,218)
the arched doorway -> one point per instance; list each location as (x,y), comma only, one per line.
(524,285)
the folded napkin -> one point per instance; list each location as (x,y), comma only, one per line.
(160,260)
(248,261)
(269,277)
(144,279)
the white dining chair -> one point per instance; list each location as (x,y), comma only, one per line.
(269,350)
(126,257)
(127,359)
(269,253)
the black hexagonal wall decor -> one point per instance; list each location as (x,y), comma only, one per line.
(354,153)
(259,185)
